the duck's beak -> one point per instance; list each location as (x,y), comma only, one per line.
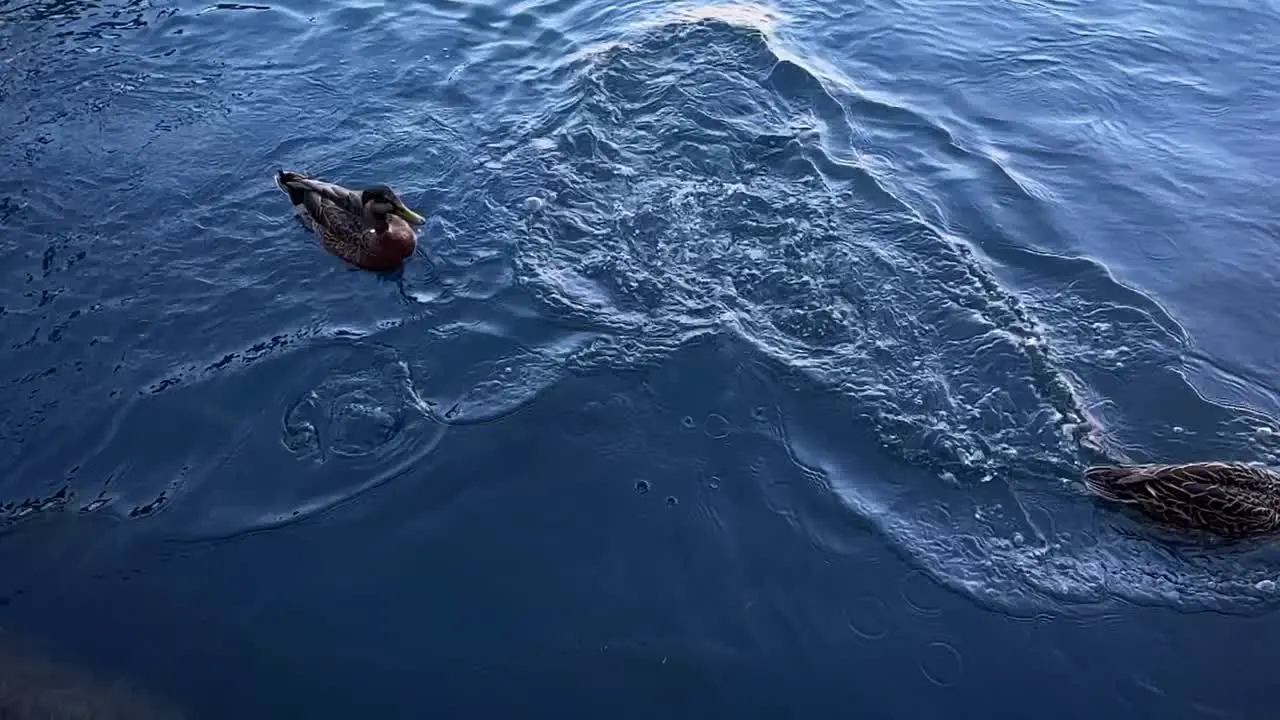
(409,215)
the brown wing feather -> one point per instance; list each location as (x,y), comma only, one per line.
(1224,498)
(318,201)
(333,213)
(1244,476)
(343,233)
(343,197)
(327,195)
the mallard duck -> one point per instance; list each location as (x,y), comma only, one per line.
(1221,498)
(368,228)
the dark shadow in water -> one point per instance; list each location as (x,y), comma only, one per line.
(34,687)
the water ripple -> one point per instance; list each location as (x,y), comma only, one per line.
(730,194)
(349,418)
(608,184)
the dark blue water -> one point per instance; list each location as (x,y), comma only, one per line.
(745,369)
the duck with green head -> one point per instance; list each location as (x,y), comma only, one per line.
(370,228)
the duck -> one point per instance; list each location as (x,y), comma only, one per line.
(1227,499)
(370,228)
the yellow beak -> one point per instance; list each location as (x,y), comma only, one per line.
(410,215)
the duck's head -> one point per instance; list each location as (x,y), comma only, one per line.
(382,200)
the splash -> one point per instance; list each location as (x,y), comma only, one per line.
(704,181)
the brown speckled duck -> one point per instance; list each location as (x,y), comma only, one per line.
(1233,500)
(369,228)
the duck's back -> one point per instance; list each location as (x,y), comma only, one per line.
(1227,499)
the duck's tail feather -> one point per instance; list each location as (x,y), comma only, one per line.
(284,180)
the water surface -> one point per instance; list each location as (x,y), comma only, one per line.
(747,363)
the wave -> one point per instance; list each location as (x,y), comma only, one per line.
(696,175)
(698,179)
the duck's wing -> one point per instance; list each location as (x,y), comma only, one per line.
(319,201)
